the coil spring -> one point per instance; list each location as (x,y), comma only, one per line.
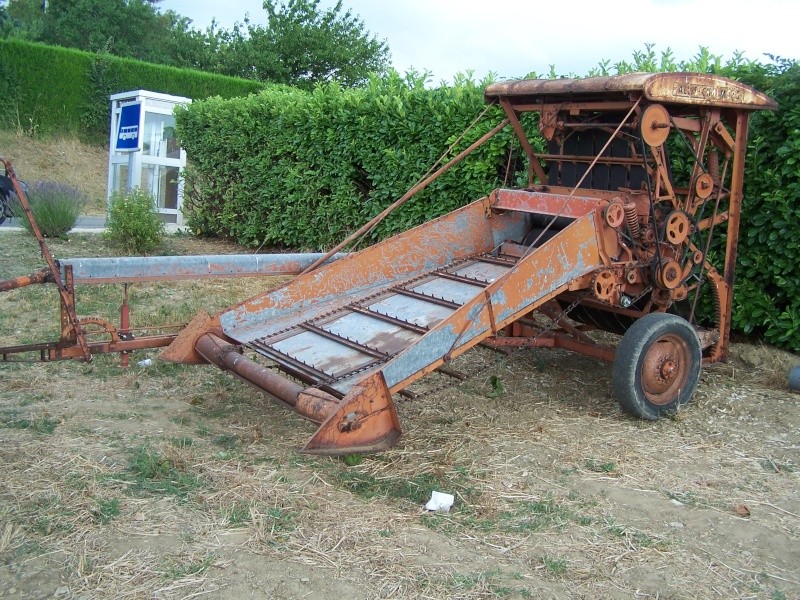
(713,165)
(632,219)
(717,307)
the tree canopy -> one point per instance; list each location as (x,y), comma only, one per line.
(301,43)
(310,46)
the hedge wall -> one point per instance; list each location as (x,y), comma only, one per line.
(767,292)
(48,89)
(298,169)
(303,170)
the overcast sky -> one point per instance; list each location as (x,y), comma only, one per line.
(514,37)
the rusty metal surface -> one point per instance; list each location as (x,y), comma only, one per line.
(228,357)
(312,404)
(546,203)
(535,279)
(604,237)
(430,246)
(337,349)
(706,90)
(375,346)
(40,276)
(79,336)
(48,351)
(365,421)
(675,88)
(182,350)
(65,294)
(665,368)
(409,328)
(549,339)
(631,242)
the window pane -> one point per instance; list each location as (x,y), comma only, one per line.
(159,136)
(119,179)
(162,183)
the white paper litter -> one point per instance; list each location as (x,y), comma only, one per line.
(440,501)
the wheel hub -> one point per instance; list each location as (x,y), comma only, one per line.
(668,369)
(664,370)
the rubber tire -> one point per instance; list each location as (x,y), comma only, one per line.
(626,372)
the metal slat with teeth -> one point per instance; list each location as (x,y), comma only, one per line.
(333,349)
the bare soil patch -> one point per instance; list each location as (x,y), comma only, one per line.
(177,482)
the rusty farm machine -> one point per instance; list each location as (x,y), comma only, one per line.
(606,234)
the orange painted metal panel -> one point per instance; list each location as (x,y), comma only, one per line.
(457,235)
(542,203)
(536,278)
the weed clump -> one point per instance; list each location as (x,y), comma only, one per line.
(153,473)
(41,425)
(133,223)
(55,207)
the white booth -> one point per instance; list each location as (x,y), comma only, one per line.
(143,150)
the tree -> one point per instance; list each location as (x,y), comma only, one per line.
(301,45)
(306,46)
(5,19)
(27,18)
(124,27)
(6,23)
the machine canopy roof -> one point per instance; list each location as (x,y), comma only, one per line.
(669,88)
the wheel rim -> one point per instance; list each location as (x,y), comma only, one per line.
(665,369)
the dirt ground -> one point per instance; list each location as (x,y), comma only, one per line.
(167,481)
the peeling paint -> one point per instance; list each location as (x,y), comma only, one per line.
(470,323)
(425,248)
(454,307)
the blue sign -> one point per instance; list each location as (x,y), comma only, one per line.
(129,137)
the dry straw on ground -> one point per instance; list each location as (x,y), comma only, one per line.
(558,494)
(181,482)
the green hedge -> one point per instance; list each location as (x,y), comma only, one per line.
(767,292)
(50,90)
(303,170)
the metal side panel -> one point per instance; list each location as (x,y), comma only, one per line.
(536,278)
